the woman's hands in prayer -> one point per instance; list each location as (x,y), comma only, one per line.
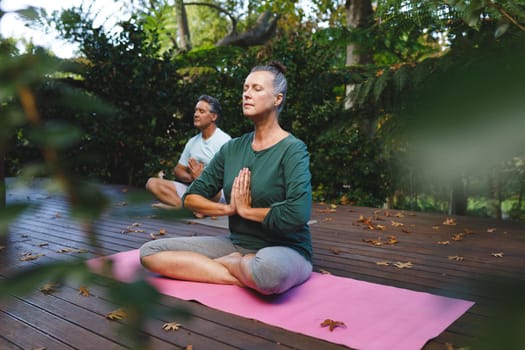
(241,199)
(241,195)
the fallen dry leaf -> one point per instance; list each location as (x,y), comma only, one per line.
(491,230)
(403,265)
(435,227)
(381,227)
(332,324)
(383,263)
(458,236)
(130,229)
(443,242)
(162,231)
(30,256)
(468,231)
(392,240)
(449,346)
(336,251)
(118,314)
(376,242)
(455,257)
(397,224)
(367,222)
(171,326)
(497,255)
(64,250)
(49,288)
(449,221)
(153,236)
(84,291)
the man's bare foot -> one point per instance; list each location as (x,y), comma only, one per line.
(161,205)
(198,215)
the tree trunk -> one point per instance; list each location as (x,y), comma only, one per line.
(263,30)
(495,190)
(458,198)
(2,182)
(522,190)
(3,231)
(499,193)
(184,30)
(359,14)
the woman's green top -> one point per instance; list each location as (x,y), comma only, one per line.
(280,180)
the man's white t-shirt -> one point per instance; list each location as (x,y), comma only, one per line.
(203,150)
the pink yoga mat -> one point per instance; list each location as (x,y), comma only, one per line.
(377,317)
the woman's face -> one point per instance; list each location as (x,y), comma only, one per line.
(258,97)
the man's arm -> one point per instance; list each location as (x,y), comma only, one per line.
(188,173)
(182,173)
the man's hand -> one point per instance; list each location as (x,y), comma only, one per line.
(195,168)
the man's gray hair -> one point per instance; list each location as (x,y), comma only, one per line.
(280,85)
(215,105)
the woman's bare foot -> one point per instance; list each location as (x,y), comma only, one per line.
(228,260)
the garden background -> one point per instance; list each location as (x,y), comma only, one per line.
(414,105)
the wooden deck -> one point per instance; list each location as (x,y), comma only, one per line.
(479,253)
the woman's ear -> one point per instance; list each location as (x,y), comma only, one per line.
(278,100)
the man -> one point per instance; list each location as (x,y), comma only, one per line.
(197,153)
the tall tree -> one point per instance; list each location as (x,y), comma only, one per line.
(183,28)
(359,15)
(262,30)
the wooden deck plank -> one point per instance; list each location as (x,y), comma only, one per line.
(339,247)
(58,328)
(20,335)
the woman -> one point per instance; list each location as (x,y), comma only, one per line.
(266,180)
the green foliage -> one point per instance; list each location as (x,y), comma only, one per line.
(346,162)
(506,14)
(421,49)
(39,109)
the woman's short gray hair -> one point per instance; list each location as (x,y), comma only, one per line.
(280,85)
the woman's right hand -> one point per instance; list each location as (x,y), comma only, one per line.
(232,208)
